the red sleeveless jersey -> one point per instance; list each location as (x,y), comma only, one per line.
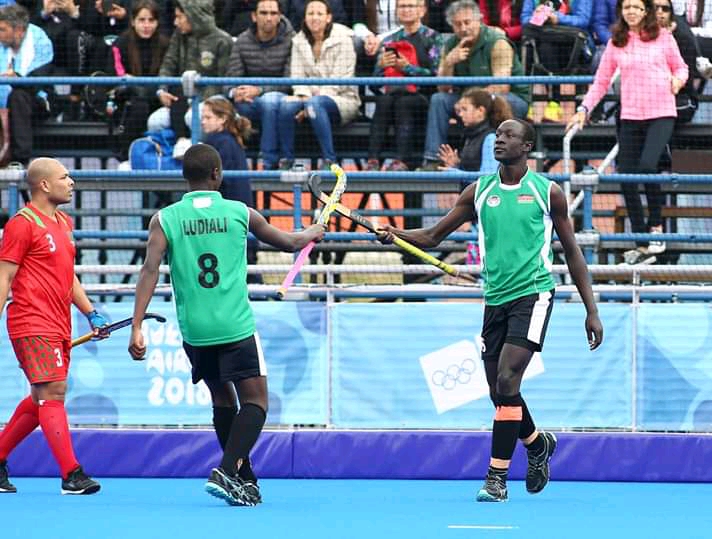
(42,288)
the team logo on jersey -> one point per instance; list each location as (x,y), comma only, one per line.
(525,199)
(493,201)
(206,58)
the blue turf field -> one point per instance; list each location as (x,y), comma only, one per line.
(334,509)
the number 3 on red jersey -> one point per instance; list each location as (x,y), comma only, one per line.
(52,245)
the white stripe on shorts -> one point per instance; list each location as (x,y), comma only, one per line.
(536,322)
(260,355)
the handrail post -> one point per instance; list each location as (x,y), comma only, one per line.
(570,134)
(190,90)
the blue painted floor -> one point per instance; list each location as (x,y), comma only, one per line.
(335,509)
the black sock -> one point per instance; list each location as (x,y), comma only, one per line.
(222,421)
(527,428)
(500,472)
(538,445)
(246,428)
(505,428)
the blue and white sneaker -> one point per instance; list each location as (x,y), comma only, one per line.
(232,489)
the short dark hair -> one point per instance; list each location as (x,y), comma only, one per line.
(529,135)
(199,162)
(15,15)
(279,4)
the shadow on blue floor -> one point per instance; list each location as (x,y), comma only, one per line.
(335,509)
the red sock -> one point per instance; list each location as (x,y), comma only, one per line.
(23,422)
(53,419)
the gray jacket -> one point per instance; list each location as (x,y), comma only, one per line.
(253,58)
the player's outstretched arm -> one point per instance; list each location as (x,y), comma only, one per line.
(7,274)
(432,236)
(146,285)
(286,241)
(577,265)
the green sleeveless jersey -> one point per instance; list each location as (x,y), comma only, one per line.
(207,254)
(515,228)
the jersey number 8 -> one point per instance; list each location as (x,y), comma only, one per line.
(208,276)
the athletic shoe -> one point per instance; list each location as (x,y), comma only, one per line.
(253,491)
(494,490)
(77,482)
(232,489)
(638,256)
(656,247)
(5,485)
(538,464)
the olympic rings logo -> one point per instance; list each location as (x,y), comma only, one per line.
(454,374)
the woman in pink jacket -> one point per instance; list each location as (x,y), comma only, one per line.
(652,72)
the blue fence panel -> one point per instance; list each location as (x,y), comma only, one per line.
(107,387)
(394,369)
(675,367)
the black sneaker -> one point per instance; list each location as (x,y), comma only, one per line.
(5,485)
(77,482)
(253,491)
(494,490)
(232,489)
(538,464)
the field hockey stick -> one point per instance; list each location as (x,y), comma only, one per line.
(107,330)
(313,184)
(329,206)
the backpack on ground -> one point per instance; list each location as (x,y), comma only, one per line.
(154,151)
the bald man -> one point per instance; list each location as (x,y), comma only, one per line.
(37,264)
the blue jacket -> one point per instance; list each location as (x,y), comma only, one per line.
(604,15)
(35,51)
(233,158)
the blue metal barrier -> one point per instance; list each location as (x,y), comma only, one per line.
(192,82)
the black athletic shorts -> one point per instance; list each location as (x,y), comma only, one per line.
(521,322)
(228,362)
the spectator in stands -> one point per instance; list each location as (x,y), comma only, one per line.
(198,45)
(295,10)
(687,98)
(412,51)
(474,50)
(137,52)
(88,43)
(503,14)
(321,49)
(699,16)
(480,113)
(226,131)
(604,16)
(237,16)
(58,18)
(652,73)
(25,51)
(263,50)
(551,40)
(435,15)
(373,20)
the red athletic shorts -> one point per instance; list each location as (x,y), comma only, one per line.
(43,359)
